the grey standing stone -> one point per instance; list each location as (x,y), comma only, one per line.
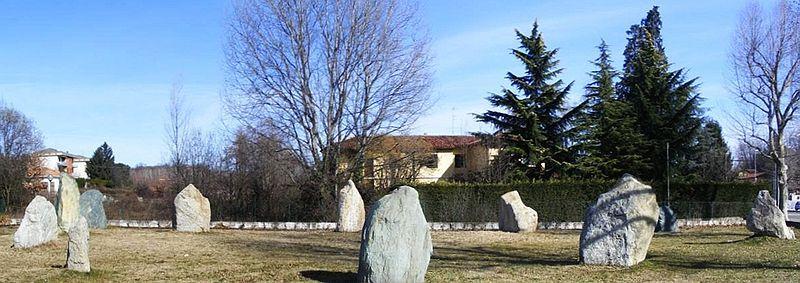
(515,216)
(38,226)
(396,242)
(78,247)
(617,230)
(667,220)
(767,219)
(350,209)
(67,202)
(192,211)
(91,203)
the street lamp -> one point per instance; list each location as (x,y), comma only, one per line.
(49,184)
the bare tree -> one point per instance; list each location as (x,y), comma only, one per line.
(318,72)
(765,62)
(19,138)
(177,129)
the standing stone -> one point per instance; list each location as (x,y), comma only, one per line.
(38,226)
(667,220)
(91,203)
(767,219)
(396,242)
(192,211)
(67,202)
(78,247)
(351,209)
(515,216)
(617,230)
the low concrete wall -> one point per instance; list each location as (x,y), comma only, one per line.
(435,226)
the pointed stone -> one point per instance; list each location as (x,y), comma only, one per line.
(192,211)
(38,226)
(351,209)
(91,203)
(67,202)
(617,230)
(78,247)
(396,242)
(515,216)
(767,219)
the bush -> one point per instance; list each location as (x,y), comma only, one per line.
(567,200)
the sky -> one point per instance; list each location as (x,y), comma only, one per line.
(89,72)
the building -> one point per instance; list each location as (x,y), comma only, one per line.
(53,162)
(423,158)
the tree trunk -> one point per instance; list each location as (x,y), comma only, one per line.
(783,191)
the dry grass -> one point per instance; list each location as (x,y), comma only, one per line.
(709,254)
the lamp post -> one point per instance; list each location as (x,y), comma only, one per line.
(49,184)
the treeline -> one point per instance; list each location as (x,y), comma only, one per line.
(639,119)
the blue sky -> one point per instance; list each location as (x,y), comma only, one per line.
(94,71)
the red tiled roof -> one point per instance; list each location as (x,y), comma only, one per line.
(436,142)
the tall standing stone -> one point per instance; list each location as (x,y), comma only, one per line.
(351,209)
(67,202)
(396,242)
(767,219)
(515,216)
(91,203)
(192,211)
(78,246)
(38,226)
(617,230)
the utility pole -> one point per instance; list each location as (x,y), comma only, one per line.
(668,174)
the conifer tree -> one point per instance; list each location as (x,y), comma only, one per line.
(608,133)
(712,157)
(101,164)
(535,126)
(664,103)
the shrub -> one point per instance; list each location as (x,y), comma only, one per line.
(567,200)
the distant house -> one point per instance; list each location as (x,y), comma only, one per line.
(752,176)
(423,158)
(53,162)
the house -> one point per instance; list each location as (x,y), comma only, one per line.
(422,158)
(52,163)
(750,175)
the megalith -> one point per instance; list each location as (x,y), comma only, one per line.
(767,219)
(350,209)
(38,226)
(617,230)
(91,203)
(192,211)
(396,242)
(514,216)
(67,202)
(667,220)
(78,246)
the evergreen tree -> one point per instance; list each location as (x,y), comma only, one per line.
(664,103)
(712,159)
(101,165)
(608,133)
(536,127)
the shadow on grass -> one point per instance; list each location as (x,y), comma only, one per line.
(485,257)
(719,243)
(721,265)
(329,276)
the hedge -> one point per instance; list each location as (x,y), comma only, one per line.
(568,200)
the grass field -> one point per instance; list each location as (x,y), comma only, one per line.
(701,254)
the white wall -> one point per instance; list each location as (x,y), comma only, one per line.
(79,170)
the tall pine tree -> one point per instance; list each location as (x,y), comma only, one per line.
(101,165)
(664,103)
(608,133)
(535,127)
(711,157)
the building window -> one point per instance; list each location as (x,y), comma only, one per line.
(431,161)
(459,161)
